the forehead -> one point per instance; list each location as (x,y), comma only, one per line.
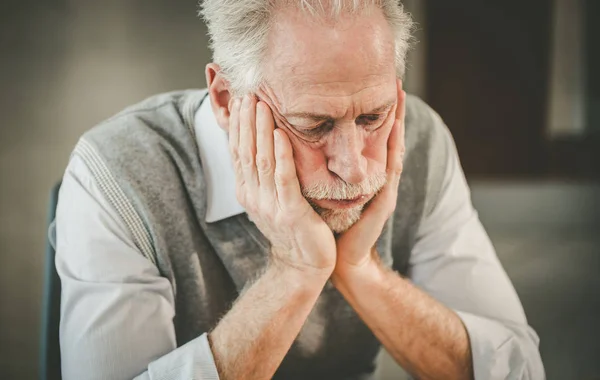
(339,63)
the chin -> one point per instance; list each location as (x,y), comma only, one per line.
(342,219)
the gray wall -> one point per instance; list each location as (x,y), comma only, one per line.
(65,66)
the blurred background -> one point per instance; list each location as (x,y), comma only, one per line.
(517,82)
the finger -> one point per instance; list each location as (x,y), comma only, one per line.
(383,205)
(386,200)
(234,133)
(247,144)
(286,180)
(395,149)
(265,155)
(381,208)
(234,140)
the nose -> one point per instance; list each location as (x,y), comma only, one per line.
(345,157)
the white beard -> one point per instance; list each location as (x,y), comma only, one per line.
(340,220)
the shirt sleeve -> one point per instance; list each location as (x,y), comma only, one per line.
(116,310)
(454,261)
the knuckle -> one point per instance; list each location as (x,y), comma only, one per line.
(282,181)
(235,156)
(246,158)
(397,171)
(238,171)
(263,164)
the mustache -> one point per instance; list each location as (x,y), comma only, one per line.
(340,190)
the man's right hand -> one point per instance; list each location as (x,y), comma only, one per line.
(251,340)
(269,190)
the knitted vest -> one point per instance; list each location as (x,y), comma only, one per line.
(146,162)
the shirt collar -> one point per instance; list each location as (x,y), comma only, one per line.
(216,161)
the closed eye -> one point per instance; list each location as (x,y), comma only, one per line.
(318,131)
(368,119)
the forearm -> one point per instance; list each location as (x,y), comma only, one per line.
(424,337)
(254,336)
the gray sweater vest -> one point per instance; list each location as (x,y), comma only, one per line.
(146,161)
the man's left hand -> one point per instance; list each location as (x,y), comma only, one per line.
(355,247)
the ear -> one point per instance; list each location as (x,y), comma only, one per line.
(218,90)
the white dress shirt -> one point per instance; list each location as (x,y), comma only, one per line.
(108,286)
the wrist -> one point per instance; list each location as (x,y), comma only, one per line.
(300,277)
(369,270)
(289,264)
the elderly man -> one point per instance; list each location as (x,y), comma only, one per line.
(287,222)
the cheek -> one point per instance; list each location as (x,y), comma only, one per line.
(311,164)
(375,150)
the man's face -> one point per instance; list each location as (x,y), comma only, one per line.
(333,90)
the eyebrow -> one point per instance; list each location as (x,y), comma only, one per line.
(320,117)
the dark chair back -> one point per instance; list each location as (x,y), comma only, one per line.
(50,346)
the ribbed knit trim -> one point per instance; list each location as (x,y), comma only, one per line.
(117,198)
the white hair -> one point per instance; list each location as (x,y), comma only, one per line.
(238,31)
